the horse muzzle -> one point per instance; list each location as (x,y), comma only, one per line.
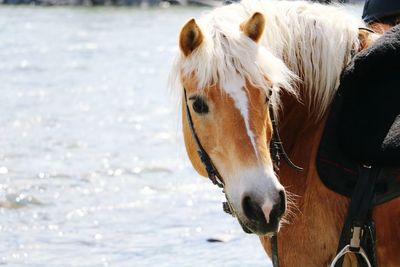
(262,217)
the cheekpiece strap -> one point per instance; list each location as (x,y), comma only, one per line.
(212,172)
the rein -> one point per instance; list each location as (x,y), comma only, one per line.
(277,152)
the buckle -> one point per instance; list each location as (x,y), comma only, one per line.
(355,240)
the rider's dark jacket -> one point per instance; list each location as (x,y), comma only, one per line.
(370,118)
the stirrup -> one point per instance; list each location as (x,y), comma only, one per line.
(347,249)
(353,247)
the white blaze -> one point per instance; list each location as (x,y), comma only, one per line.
(235,87)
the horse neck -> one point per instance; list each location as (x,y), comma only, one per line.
(300,134)
(295,120)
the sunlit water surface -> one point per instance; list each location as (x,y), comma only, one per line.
(92,166)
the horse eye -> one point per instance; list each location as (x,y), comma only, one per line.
(199,105)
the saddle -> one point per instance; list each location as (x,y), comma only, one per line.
(359,153)
(363,126)
(338,167)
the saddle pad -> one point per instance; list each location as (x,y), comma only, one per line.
(339,172)
(369,118)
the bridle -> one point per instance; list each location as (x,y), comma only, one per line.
(211,170)
(277,152)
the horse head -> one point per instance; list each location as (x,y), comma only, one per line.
(229,81)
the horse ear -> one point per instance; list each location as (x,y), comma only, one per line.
(190,37)
(366,38)
(254,26)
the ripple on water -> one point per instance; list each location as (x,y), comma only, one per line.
(19,200)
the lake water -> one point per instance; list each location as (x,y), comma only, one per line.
(92,166)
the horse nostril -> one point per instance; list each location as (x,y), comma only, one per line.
(252,209)
(282,196)
(279,208)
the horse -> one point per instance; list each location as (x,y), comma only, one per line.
(242,68)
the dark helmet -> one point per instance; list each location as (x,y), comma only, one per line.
(378,9)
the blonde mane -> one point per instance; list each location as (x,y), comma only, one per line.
(305,46)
